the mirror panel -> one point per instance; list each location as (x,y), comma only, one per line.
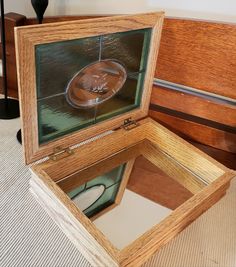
(98,193)
(140,192)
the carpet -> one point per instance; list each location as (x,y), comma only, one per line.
(29,237)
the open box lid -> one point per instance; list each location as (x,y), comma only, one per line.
(81,78)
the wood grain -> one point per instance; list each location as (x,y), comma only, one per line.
(66,214)
(194,105)
(197,62)
(185,154)
(172,168)
(125,179)
(119,140)
(29,36)
(94,246)
(72,181)
(199,54)
(148,244)
(89,27)
(197,132)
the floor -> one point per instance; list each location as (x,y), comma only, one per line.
(30,238)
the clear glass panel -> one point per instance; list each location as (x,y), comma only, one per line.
(98,193)
(85,81)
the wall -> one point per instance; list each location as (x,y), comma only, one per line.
(203,9)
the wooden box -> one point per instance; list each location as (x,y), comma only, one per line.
(108,101)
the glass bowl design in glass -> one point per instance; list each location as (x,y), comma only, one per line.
(96,83)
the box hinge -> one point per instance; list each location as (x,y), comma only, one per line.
(129,124)
(59,153)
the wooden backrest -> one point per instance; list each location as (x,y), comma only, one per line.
(201,55)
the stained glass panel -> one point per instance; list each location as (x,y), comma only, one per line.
(85,81)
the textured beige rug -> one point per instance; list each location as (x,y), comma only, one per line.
(28,237)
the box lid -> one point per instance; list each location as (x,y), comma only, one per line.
(81,78)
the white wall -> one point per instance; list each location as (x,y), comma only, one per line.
(220,10)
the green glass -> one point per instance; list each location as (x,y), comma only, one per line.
(126,47)
(77,191)
(56,118)
(123,101)
(107,199)
(110,180)
(58,63)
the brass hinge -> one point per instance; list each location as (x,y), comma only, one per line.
(59,152)
(129,124)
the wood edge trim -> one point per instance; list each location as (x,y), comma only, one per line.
(94,19)
(110,162)
(154,238)
(120,254)
(194,185)
(125,180)
(218,165)
(99,237)
(99,214)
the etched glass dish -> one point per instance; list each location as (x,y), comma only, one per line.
(96,83)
